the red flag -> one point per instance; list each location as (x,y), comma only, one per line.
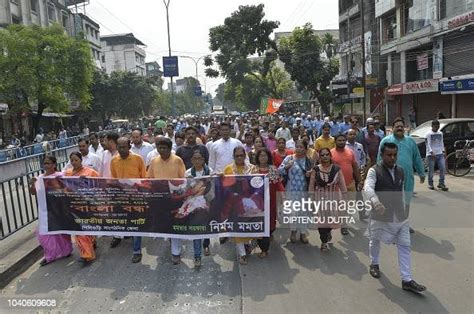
(274,105)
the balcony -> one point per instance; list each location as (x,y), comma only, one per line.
(349,13)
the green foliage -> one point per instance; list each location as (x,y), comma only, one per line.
(301,54)
(187,101)
(247,93)
(123,93)
(43,66)
(330,45)
(245,33)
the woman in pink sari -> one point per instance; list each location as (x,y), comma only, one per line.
(55,246)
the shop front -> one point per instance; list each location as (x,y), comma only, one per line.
(423,96)
(462,96)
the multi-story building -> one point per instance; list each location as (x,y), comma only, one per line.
(123,52)
(429,47)
(91,31)
(347,87)
(40,12)
(179,86)
(153,69)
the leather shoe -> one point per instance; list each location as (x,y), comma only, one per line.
(374,271)
(413,286)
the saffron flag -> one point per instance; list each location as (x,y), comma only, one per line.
(274,105)
(270,105)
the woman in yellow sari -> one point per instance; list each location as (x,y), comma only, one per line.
(240,167)
(86,244)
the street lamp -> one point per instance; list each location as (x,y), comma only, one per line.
(167,4)
(196,61)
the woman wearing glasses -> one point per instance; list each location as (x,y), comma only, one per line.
(239,167)
(297,168)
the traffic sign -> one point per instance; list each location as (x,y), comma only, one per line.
(198,91)
(170,66)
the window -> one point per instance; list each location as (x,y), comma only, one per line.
(453,129)
(417,14)
(412,71)
(16,19)
(389,27)
(396,69)
(451,8)
(65,20)
(468,129)
(34,6)
(103,59)
(51,12)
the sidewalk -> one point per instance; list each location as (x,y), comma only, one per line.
(18,252)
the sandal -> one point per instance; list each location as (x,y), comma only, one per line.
(44,262)
(263,254)
(324,247)
(243,260)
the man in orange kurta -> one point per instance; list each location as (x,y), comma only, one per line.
(130,166)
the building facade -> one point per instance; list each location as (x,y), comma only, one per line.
(357,28)
(123,52)
(39,12)
(429,47)
(91,32)
(179,86)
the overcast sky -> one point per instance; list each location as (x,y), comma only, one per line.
(190,21)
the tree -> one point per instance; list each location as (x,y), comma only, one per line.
(187,101)
(101,91)
(301,54)
(123,93)
(43,66)
(330,45)
(247,94)
(244,34)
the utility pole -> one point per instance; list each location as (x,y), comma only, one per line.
(167,4)
(349,65)
(362,15)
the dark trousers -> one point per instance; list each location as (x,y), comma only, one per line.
(324,234)
(206,243)
(264,243)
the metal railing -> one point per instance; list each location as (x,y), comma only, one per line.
(18,208)
(10,154)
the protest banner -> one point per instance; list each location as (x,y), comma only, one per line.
(191,208)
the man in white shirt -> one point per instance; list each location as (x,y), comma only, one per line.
(140,147)
(95,146)
(222,150)
(284,132)
(291,144)
(213,136)
(110,144)
(88,159)
(435,155)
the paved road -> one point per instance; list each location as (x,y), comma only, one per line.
(294,278)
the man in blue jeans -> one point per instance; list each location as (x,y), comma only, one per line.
(435,154)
